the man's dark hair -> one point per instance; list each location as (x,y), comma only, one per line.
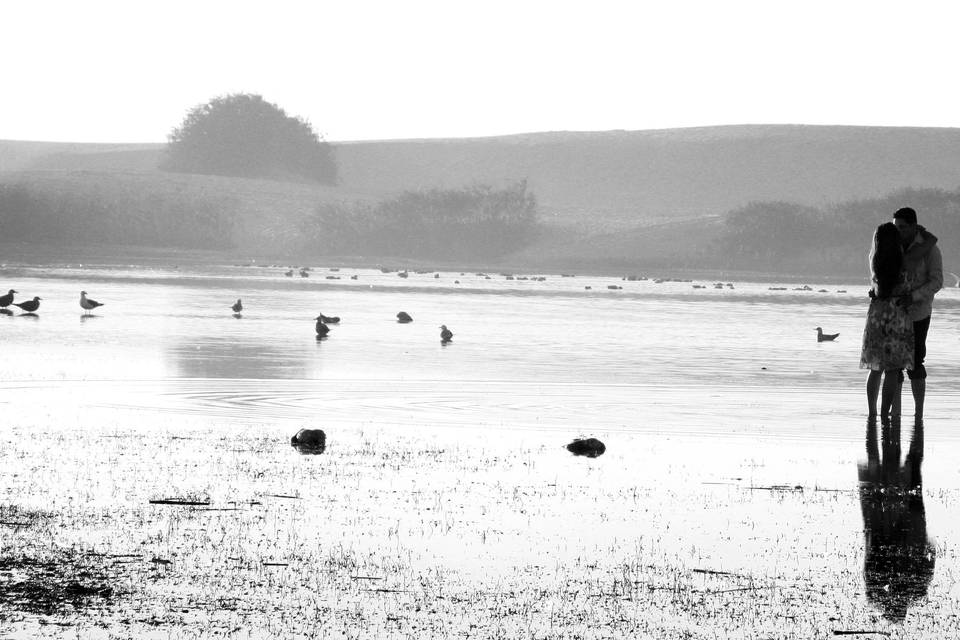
(907,214)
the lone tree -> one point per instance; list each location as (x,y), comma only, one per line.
(244,135)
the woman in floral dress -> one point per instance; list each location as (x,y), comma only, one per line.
(888,334)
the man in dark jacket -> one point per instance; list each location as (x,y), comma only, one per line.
(923,265)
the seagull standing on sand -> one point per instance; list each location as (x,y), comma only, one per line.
(237,306)
(322,329)
(7,300)
(825,337)
(88,304)
(445,334)
(30,305)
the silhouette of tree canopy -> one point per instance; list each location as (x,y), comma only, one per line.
(244,135)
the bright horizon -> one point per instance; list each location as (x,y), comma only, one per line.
(119,72)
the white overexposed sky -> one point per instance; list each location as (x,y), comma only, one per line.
(129,70)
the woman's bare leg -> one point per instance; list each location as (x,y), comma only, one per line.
(891,390)
(873,390)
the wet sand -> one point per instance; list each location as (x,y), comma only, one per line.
(439,532)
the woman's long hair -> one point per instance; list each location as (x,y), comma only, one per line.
(886,259)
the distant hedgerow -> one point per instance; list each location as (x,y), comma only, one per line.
(475,221)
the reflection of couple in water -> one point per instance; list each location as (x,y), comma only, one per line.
(907,270)
(898,556)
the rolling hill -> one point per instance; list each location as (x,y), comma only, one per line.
(620,179)
(598,190)
(611,179)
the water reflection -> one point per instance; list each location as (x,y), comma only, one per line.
(234,358)
(899,556)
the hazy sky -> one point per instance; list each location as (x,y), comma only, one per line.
(128,71)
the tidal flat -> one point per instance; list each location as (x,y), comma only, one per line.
(428,535)
(153,492)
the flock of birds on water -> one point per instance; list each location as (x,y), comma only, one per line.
(30,307)
(322,327)
(323,323)
(304,272)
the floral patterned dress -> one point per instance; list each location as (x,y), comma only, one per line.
(888,334)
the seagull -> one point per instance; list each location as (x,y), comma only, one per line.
(30,305)
(88,304)
(330,319)
(445,334)
(403,316)
(237,306)
(322,329)
(825,337)
(6,300)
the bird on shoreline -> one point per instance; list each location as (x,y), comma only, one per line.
(330,319)
(445,334)
(237,306)
(88,304)
(7,299)
(825,337)
(322,329)
(404,317)
(30,305)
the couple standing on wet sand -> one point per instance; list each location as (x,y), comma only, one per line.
(907,270)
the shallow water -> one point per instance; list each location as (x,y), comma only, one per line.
(706,398)
(651,357)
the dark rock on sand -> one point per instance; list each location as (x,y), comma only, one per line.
(309,441)
(590,447)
